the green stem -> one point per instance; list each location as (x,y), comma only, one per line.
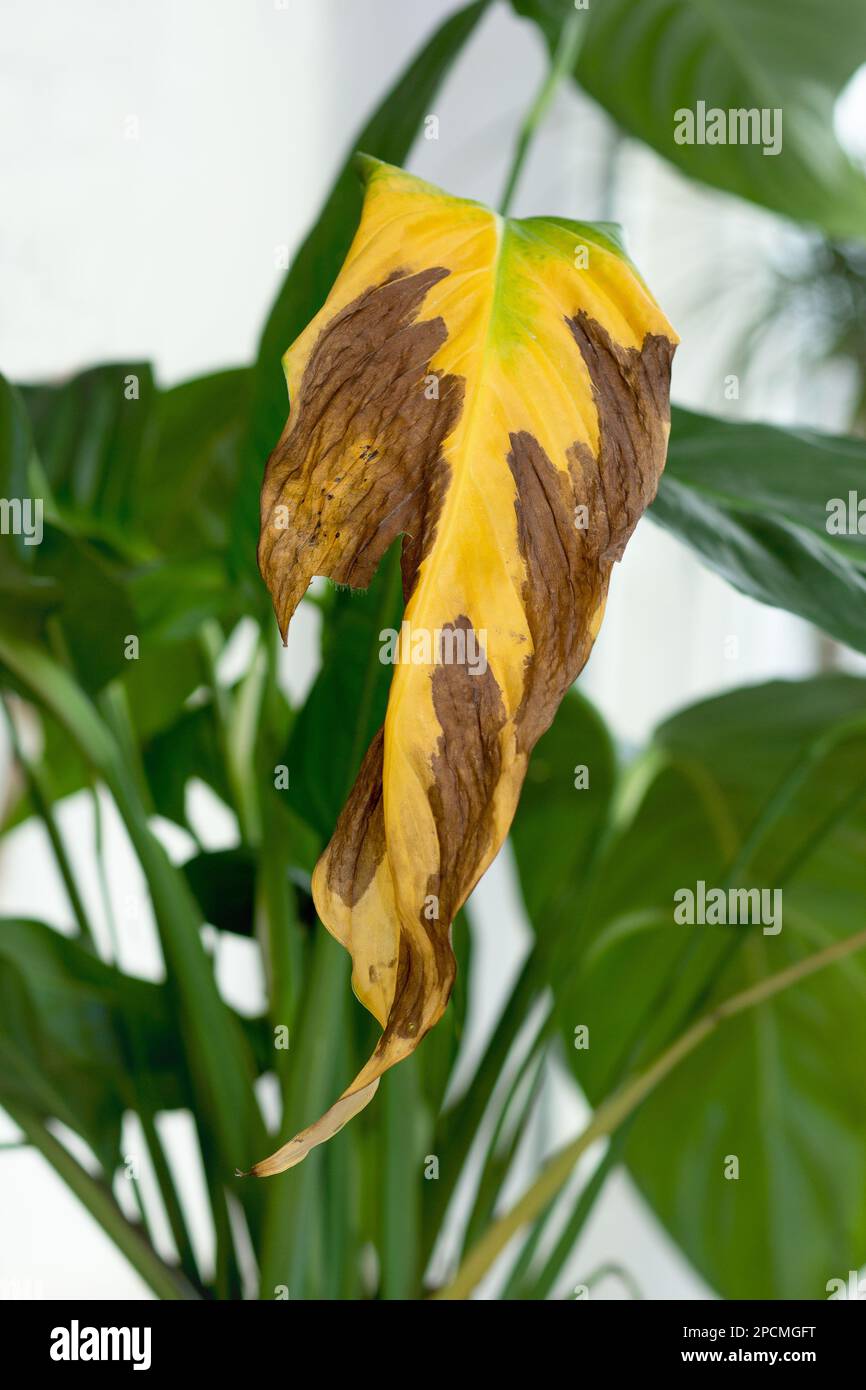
(99,1200)
(501,1148)
(623,1103)
(543,1282)
(563,62)
(402,1185)
(456,1130)
(104,889)
(142,1101)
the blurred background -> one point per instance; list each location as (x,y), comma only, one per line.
(160,163)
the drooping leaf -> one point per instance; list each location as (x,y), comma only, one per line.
(769,510)
(646,62)
(496,392)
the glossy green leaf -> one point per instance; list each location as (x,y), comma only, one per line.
(761,788)
(645,62)
(754,501)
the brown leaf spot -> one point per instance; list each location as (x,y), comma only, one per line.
(567,567)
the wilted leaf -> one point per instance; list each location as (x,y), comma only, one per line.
(496,392)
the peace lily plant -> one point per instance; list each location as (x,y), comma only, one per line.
(479,416)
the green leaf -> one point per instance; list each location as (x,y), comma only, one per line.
(89,434)
(62,590)
(218,1056)
(189,470)
(66,1034)
(19,473)
(646,62)
(93,614)
(761,788)
(752,501)
(26,599)
(570,779)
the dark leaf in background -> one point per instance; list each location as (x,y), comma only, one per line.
(94,615)
(188,748)
(751,500)
(60,589)
(346,704)
(224,883)
(160,683)
(189,470)
(577,748)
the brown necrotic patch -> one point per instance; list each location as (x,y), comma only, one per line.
(562,588)
(358,842)
(572,526)
(466,767)
(360,460)
(631,390)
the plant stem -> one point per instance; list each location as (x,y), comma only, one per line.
(619,1106)
(102,874)
(563,61)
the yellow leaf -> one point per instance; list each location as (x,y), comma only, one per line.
(496,392)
